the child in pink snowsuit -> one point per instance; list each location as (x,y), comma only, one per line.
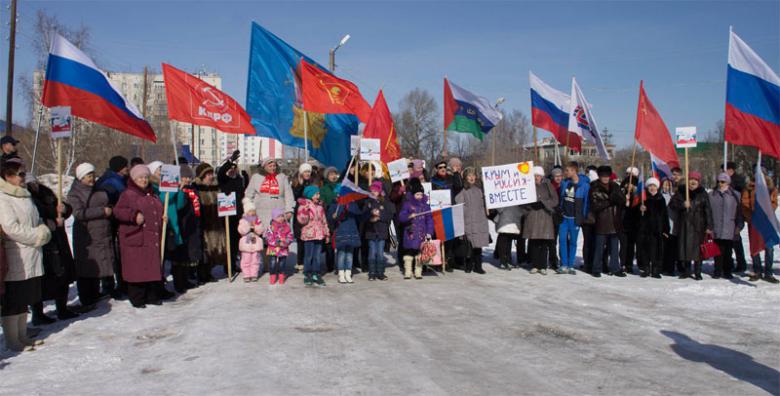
(251,243)
(279,236)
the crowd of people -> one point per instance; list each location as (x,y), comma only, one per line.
(117,249)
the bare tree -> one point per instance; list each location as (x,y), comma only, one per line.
(418,126)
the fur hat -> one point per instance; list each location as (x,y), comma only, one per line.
(653,181)
(415,186)
(248,205)
(140,171)
(604,170)
(117,163)
(154,165)
(632,170)
(203,169)
(304,167)
(538,171)
(84,169)
(310,191)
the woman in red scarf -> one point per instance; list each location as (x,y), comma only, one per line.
(270,190)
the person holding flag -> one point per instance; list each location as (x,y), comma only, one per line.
(628,235)
(750,210)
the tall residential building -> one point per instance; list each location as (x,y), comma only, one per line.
(207,144)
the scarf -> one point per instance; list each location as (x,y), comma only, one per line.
(270,185)
(194,199)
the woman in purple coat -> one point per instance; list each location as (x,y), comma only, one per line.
(415,216)
(140,216)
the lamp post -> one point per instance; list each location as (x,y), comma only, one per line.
(493,139)
(332,53)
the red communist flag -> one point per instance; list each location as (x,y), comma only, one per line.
(380,126)
(651,132)
(325,93)
(197,102)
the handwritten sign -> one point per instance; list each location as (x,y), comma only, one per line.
(509,185)
(226,204)
(170,177)
(370,150)
(60,122)
(686,137)
(399,170)
(440,199)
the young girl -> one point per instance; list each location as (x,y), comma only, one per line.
(314,230)
(251,244)
(379,213)
(278,237)
(346,236)
(416,216)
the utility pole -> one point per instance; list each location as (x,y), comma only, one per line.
(9,106)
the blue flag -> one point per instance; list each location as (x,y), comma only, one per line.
(273,100)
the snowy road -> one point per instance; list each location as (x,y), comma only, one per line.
(501,333)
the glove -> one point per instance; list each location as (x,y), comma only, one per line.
(235,155)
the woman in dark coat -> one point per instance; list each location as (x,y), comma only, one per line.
(693,222)
(58,267)
(211,224)
(653,231)
(475,221)
(140,216)
(93,243)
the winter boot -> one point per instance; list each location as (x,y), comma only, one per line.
(38,317)
(348,276)
(478,265)
(22,329)
(63,313)
(408,267)
(11,334)
(342,276)
(307,279)
(272,279)
(282,277)
(418,267)
(697,270)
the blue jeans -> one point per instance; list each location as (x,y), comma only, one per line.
(567,241)
(376,256)
(312,250)
(344,259)
(768,261)
(598,245)
(276,264)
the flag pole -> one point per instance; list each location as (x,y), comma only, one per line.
(306,135)
(687,193)
(37,136)
(536,147)
(566,153)
(59,177)
(726,143)
(631,174)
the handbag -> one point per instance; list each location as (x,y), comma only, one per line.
(428,251)
(709,249)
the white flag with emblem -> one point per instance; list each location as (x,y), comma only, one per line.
(581,120)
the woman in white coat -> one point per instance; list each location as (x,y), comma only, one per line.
(23,236)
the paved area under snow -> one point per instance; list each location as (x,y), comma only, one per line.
(500,333)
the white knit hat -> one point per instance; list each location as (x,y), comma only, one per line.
(632,170)
(652,181)
(83,170)
(248,204)
(304,167)
(538,170)
(154,165)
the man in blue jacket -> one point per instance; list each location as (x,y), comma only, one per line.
(574,208)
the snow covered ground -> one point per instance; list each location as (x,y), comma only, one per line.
(500,333)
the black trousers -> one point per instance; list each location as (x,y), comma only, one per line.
(143,292)
(539,252)
(120,284)
(628,241)
(650,258)
(504,247)
(724,262)
(739,252)
(522,252)
(553,251)
(670,256)
(587,247)
(88,290)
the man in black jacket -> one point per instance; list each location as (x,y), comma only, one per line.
(606,199)
(231,181)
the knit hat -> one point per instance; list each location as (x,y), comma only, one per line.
(310,191)
(538,171)
(557,172)
(83,170)
(695,175)
(186,171)
(453,162)
(117,163)
(724,177)
(604,170)
(248,204)
(276,212)
(154,165)
(266,161)
(330,170)
(415,186)
(378,187)
(653,181)
(304,167)
(633,171)
(203,169)
(139,171)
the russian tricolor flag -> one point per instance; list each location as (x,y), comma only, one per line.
(448,222)
(661,169)
(72,79)
(349,192)
(550,111)
(752,100)
(764,230)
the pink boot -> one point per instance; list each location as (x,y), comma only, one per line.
(273,279)
(281,279)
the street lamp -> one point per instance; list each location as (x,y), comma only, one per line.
(493,156)
(332,63)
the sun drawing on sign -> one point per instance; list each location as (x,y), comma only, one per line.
(523,168)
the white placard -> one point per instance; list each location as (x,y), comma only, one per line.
(686,137)
(60,122)
(226,204)
(440,199)
(170,178)
(370,150)
(399,170)
(509,185)
(354,145)
(427,187)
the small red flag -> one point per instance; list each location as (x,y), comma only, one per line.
(197,102)
(323,92)
(380,126)
(651,132)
